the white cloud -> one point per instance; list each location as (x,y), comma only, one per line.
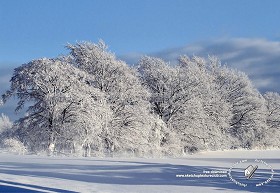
(5,79)
(263,82)
(5,76)
(259,58)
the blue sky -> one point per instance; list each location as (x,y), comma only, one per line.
(38,28)
(243,33)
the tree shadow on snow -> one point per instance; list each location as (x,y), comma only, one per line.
(134,173)
(8,189)
(17,187)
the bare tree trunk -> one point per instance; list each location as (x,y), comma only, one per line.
(73,149)
(51,146)
(86,149)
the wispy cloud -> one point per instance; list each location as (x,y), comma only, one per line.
(5,76)
(259,58)
(9,107)
(4,79)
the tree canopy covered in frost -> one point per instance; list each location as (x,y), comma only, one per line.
(272,105)
(63,108)
(127,99)
(248,123)
(91,103)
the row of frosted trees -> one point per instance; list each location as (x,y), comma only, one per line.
(91,103)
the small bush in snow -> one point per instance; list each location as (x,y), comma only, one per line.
(5,123)
(14,146)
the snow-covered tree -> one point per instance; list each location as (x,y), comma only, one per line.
(169,92)
(184,96)
(128,129)
(248,121)
(214,110)
(169,88)
(208,110)
(272,102)
(62,107)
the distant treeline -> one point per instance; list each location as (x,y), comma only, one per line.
(91,103)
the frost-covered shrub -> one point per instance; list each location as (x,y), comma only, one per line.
(14,146)
(5,123)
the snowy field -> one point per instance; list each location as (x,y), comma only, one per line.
(30,173)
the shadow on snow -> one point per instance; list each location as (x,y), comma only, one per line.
(130,173)
(17,187)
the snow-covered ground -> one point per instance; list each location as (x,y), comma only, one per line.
(32,173)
